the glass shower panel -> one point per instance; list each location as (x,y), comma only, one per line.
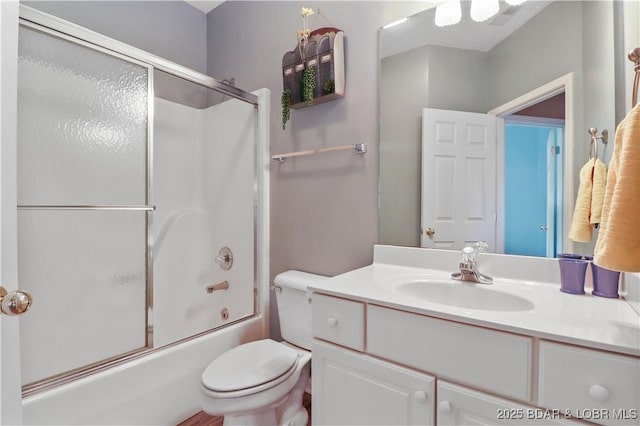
(204,188)
(83,124)
(83,120)
(86,269)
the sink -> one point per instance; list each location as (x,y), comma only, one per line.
(464,295)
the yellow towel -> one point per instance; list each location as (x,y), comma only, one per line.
(597,191)
(581,228)
(618,244)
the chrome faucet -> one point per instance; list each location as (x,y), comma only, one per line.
(469,265)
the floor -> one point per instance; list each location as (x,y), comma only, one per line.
(203,419)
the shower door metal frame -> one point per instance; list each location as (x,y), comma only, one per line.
(96,39)
(56,27)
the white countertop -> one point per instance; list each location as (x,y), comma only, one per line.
(586,320)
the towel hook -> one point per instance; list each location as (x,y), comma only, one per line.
(593,145)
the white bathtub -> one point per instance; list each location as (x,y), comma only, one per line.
(159,389)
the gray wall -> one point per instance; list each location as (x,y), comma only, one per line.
(410,81)
(400,135)
(171,29)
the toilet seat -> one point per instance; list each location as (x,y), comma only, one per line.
(249,368)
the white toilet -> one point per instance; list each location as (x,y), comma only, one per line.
(263,382)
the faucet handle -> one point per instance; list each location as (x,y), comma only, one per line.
(468,256)
(481,246)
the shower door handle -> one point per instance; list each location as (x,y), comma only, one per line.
(14,303)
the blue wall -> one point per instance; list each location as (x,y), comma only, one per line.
(525,189)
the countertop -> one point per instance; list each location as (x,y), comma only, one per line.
(585,320)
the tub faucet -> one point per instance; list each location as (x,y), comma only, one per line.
(469,265)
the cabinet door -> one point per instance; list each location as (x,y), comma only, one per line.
(457,405)
(599,387)
(350,388)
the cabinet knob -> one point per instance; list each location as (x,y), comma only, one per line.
(445,407)
(599,393)
(332,322)
(420,396)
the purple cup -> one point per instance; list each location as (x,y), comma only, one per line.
(569,256)
(605,282)
(572,273)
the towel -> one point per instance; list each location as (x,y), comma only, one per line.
(581,228)
(618,244)
(598,184)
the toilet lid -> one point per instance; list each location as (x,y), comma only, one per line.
(249,365)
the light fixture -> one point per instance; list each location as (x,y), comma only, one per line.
(481,10)
(394,23)
(448,13)
(515,2)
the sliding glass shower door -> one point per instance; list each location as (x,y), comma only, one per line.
(83,154)
(139,188)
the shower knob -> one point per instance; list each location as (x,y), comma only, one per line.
(14,303)
(225,258)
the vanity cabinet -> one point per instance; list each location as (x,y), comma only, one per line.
(458,405)
(596,386)
(357,389)
(377,365)
(488,359)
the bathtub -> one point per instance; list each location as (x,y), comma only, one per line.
(161,388)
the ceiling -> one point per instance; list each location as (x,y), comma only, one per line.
(205,5)
(420,30)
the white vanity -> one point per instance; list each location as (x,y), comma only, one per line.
(388,349)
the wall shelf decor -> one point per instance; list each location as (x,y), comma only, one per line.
(322,54)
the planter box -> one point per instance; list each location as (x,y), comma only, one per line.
(325,53)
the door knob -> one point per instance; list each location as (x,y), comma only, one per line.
(430,231)
(543,227)
(14,303)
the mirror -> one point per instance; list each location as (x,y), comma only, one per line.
(490,67)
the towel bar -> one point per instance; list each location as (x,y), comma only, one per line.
(360,148)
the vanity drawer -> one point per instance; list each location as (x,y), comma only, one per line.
(338,320)
(595,385)
(476,356)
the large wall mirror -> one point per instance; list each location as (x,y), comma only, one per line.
(542,73)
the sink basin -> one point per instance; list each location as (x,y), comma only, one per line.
(464,295)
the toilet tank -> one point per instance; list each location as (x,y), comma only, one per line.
(294,306)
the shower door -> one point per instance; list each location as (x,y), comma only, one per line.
(83,154)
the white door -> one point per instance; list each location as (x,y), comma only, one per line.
(10,401)
(355,389)
(458,179)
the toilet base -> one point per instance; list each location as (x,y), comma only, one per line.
(265,417)
(287,412)
(292,412)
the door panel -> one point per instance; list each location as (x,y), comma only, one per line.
(525,189)
(458,179)
(350,388)
(458,405)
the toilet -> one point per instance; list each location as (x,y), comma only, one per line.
(263,382)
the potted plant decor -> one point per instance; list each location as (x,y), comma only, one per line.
(313,72)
